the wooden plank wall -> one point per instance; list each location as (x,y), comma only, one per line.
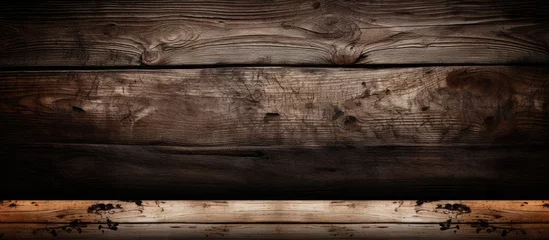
(134,33)
(274,100)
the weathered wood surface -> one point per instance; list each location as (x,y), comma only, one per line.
(132,33)
(87,171)
(335,212)
(222,133)
(420,219)
(278,106)
(274,231)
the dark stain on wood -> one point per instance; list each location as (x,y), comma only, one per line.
(341,231)
(75,225)
(448,225)
(216,231)
(77,109)
(485,226)
(461,208)
(101,208)
(337,113)
(112,225)
(498,89)
(481,83)
(271,117)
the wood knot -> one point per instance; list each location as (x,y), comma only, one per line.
(150,56)
(479,82)
(170,34)
(336,27)
(110,29)
(271,117)
(162,38)
(351,123)
(347,55)
(77,109)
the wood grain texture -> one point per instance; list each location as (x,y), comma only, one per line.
(274,231)
(133,33)
(84,171)
(278,106)
(325,212)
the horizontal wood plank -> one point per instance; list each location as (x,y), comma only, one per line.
(278,106)
(85,171)
(238,211)
(274,231)
(133,33)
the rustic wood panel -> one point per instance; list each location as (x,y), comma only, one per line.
(133,33)
(278,106)
(479,230)
(144,211)
(84,171)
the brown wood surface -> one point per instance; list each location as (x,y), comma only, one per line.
(87,171)
(153,100)
(253,211)
(421,219)
(133,33)
(278,106)
(274,231)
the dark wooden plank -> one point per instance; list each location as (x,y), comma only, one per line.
(133,33)
(274,231)
(278,106)
(85,171)
(280,211)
